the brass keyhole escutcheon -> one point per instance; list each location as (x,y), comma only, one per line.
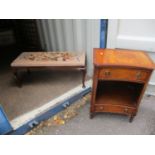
(101,108)
(107,73)
(138,75)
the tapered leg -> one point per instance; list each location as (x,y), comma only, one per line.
(18,80)
(91,115)
(131,118)
(28,71)
(83,78)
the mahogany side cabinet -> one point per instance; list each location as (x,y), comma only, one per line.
(119,81)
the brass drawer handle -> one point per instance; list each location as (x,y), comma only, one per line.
(107,73)
(101,108)
(138,75)
(126,110)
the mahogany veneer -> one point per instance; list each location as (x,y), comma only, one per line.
(119,81)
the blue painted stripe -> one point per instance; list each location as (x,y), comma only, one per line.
(103,32)
(5,126)
(28,126)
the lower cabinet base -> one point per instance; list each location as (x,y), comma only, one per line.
(116,109)
(92,114)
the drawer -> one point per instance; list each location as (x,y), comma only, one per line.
(124,74)
(115,109)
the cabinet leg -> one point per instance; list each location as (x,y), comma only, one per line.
(131,118)
(91,115)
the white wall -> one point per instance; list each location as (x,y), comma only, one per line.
(134,34)
(72,35)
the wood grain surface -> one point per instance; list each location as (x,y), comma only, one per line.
(126,58)
(119,81)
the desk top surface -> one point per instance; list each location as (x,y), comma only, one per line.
(49,59)
(126,58)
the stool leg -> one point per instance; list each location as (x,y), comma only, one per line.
(18,80)
(28,71)
(83,78)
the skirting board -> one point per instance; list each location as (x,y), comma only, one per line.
(49,108)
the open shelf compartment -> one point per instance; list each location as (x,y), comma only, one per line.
(118,93)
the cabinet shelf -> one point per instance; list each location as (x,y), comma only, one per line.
(118,93)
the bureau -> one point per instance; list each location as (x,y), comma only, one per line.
(119,81)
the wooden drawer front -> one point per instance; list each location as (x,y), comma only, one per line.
(123,74)
(115,109)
